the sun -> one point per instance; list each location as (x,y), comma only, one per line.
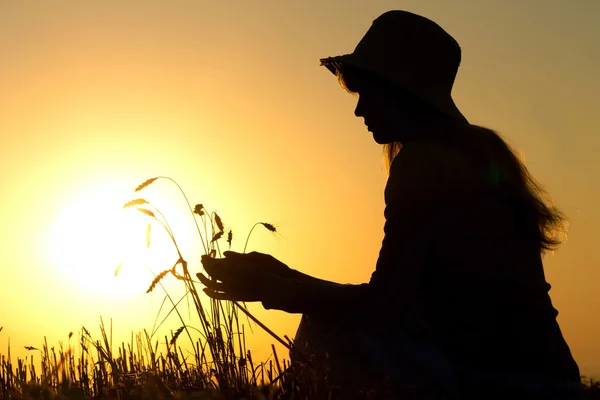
(99,248)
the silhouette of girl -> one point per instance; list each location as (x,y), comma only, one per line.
(458,298)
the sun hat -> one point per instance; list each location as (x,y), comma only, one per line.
(412,52)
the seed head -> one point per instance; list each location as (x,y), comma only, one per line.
(146,183)
(217,236)
(148,230)
(157,279)
(136,202)
(118,269)
(269,227)
(219,222)
(176,335)
(199,209)
(147,212)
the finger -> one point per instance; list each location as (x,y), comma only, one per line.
(209,283)
(218,295)
(252,254)
(202,278)
(216,268)
(233,254)
(208,260)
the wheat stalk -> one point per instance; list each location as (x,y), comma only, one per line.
(118,269)
(148,230)
(135,202)
(157,279)
(229,238)
(145,183)
(221,349)
(176,335)
(217,236)
(267,225)
(218,222)
(147,212)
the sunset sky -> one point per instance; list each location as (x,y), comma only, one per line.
(228,99)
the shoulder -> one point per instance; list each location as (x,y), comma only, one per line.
(430,162)
(427,174)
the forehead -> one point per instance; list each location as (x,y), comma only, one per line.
(355,80)
(364,83)
(364,87)
(359,81)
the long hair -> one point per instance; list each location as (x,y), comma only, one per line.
(501,168)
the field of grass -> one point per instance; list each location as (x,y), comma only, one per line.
(216,364)
(91,369)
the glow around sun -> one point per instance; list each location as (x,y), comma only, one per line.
(100,249)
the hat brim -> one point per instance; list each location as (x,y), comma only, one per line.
(446,105)
(333,64)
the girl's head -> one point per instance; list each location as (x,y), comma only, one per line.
(391,113)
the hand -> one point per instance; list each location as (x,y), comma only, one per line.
(242,277)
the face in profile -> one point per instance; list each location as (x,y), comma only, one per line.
(387,113)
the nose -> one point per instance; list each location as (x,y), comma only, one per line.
(359,110)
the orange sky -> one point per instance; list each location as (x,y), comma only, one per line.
(231,102)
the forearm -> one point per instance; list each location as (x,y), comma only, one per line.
(316,297)
(301,277)
(332,301)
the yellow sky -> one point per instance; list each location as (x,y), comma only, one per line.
(231,102)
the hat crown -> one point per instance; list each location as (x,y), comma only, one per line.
(412,52)
(411,48)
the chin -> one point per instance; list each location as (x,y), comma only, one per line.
(381,139)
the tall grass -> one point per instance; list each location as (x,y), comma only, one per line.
(218,365)
(138,369)
(220,322)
